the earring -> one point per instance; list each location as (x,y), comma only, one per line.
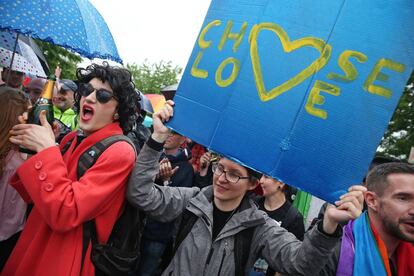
(116,116)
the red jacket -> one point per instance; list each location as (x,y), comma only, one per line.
(51,242)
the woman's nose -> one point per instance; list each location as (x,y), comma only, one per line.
(91,98)
(223,177)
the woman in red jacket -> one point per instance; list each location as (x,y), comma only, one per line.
(51,242)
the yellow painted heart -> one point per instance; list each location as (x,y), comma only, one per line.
(288,46)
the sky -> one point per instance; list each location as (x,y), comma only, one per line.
(156,30)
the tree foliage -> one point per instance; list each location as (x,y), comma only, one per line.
(56,55)
(399,137)
(150,78)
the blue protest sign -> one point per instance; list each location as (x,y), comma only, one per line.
(297,89)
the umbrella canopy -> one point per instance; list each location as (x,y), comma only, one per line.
(39,53)
(72,24)
(25,59)
(157,101)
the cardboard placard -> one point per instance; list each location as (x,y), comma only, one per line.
(299,90)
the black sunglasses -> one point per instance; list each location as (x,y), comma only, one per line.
(102,95)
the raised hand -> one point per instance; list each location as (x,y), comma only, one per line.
(348,207)
(159,118)
(58,72)
(205,160)
(166,171)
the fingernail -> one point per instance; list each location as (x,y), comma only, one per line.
(337,202)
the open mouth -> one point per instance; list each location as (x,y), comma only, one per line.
(410,223)
(87,113)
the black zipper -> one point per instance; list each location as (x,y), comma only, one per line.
(209,255)
(222,261)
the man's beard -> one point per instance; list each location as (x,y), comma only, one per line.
(393,229)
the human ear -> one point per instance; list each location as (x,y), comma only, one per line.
(371,200)
(253,184)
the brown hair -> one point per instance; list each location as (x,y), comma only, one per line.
(13,103)
(377,177)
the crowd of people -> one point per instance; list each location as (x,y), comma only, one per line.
(202,214)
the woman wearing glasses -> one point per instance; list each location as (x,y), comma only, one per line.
(223,210)
(51,242)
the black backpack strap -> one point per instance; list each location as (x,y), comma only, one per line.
(242,245)
(89,233)
(86,160)
(188,219)
(67,145)
(242,241)
(187,222)
(89,157)
(87,229)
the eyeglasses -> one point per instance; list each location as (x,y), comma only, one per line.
(229,176)
(102,95)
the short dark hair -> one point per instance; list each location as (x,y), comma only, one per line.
(377,177)
(254,175)
(378,160)
(173,132)
(121,83)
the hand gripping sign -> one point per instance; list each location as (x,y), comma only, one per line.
(301,90)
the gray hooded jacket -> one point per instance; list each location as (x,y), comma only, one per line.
(198,254)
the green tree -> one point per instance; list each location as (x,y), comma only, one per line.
(150,78)
(56,55)
(399,137)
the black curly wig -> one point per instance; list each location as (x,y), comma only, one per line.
(121,83)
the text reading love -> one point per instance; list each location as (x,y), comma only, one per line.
(315,99)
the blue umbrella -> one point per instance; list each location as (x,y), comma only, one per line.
(72,24)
